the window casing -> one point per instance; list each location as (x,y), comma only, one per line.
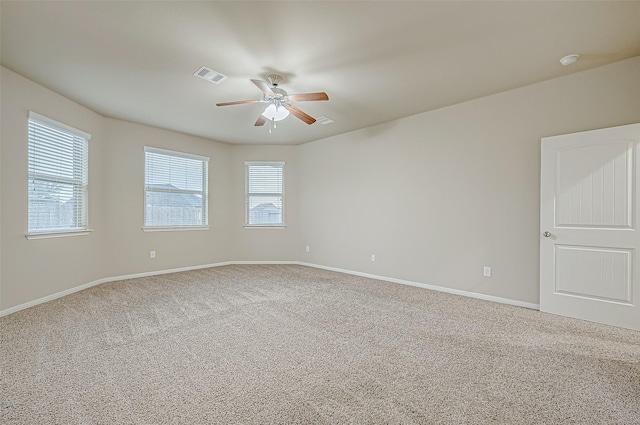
(58,169)
(264,194)
(175,189)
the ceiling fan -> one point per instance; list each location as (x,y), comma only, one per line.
(279,102)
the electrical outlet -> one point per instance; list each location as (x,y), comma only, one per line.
(373,257)
(307,248)
(152,254)
(486,272)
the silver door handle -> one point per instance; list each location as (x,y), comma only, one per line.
(546,234)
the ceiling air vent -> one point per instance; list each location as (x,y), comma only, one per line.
(324,120)
(210,75)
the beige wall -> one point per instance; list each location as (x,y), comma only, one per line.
(435,196)
(127,246)
(35,268)
(255,244)
(439,195)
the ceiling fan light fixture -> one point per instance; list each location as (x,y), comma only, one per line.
(274,113)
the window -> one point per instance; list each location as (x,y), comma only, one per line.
(58,177)
(175,187)
(265,194)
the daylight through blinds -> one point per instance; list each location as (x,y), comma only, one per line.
(58,176)
(175,189)
(265,193)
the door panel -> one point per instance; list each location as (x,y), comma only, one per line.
(589,262)
(593,185)
(597,273)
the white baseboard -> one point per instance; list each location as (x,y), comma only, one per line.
(431,287)
(104,280)
(167,271)
(266,262)
(50,297)
(300,263)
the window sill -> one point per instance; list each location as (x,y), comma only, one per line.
(172,228)
(58,234)
(265,226)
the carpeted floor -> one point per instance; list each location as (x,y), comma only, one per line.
(296,345)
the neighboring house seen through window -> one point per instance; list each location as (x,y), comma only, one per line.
(264,194)
(58,177)
(175,186)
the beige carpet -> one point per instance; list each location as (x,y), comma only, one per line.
(296,345)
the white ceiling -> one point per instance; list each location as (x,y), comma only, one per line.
(378,61)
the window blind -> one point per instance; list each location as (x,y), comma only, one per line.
(58,157)
(175,189)
(265,193)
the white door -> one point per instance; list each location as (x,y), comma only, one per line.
(590,213)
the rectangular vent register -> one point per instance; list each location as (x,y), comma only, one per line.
(210,75)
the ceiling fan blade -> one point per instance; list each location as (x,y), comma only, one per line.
(300,115)
(262,85)
(261,120)
(237,102)
(305,97)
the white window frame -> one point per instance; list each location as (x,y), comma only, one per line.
(204,193)
(80,180)
(248,196)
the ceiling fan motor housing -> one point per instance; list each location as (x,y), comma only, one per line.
(279,92)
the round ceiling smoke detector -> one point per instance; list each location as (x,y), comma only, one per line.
(569,59)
